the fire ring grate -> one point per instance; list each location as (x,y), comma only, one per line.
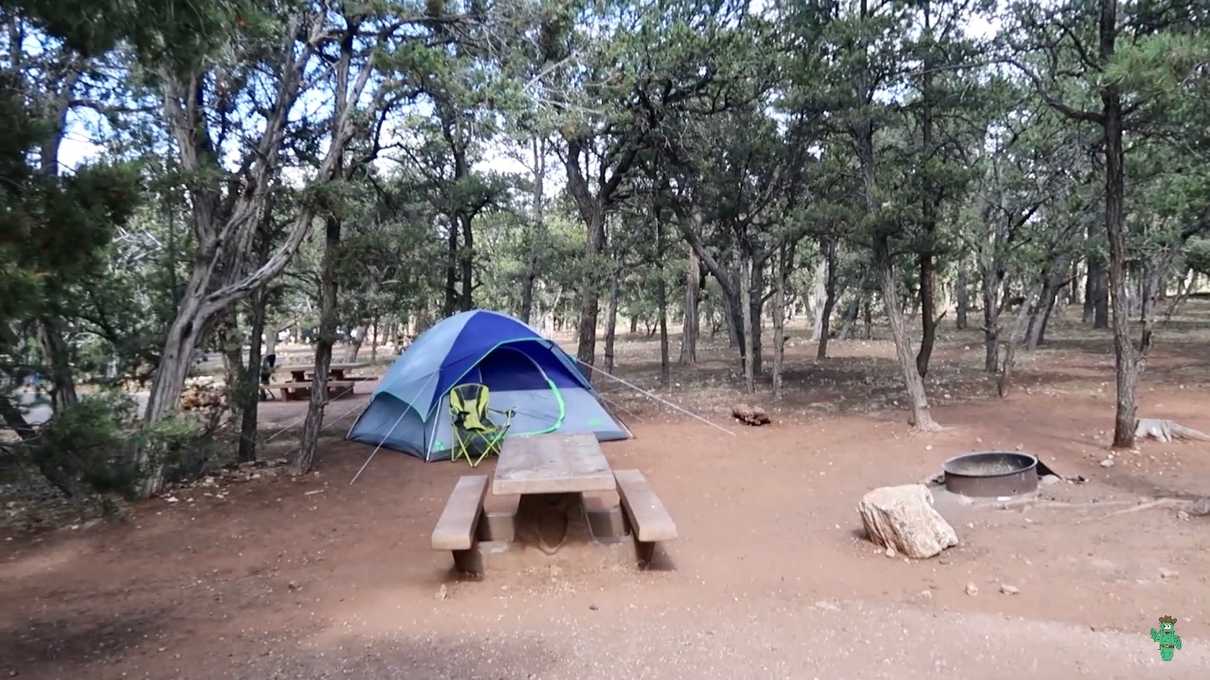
(991,473)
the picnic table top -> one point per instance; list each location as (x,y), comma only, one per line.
(334,366)
(552,463)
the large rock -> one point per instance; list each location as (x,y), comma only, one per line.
(903,518)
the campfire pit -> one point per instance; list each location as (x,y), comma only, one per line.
(991,473)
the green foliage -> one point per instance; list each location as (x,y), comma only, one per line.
(94,446)
(1197,255)
(88,447)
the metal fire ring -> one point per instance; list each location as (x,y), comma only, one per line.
(991,473)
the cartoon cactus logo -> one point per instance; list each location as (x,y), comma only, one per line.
(1167,638)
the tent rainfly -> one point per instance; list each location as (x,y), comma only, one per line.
(524,372)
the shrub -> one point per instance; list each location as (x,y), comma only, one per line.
(88,446)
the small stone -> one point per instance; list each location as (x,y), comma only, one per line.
(1200,506)
(889,552)
(293,585)
(1107,463)
(972,589)
(925,595)
(1166,573)
(1009,590)
(1182,515)
(593,607)
(443,593)
(1047,480)
(928,447)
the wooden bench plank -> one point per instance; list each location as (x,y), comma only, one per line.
(648,515)
(455,528)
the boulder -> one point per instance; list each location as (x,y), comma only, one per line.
(903,518)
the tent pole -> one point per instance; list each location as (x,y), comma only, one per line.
(652,396)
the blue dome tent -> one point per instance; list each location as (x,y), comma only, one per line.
(524,372)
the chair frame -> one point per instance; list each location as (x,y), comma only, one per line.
(489,437)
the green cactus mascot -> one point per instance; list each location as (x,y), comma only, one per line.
(1167,637)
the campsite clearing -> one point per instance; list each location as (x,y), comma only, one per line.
(770,575)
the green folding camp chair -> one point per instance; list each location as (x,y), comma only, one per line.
(475,435)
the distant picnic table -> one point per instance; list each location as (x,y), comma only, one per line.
(299,385)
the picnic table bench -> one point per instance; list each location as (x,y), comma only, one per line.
(455,530)
(544,465)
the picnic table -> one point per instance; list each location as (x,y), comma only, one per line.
(336,371)
(552,463)
(546,465)
(299,385)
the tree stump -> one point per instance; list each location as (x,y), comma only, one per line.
(1166,430)
(750,415)
(903,518)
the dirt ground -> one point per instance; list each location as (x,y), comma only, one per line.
(771,576)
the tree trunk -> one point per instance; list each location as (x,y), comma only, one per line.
(1073,295)
(1127,360)
(928,317)
(374,340)
(867,315)
(1100,296)
(179,343)
(611,316)
(467,260)
(921,418)
(689,328)
(58,359)
(589,296)
(779,323)
(863,137)
(661,303)
(990,286)
(1010,349)
(357,341)
(756,303)
(1089,289)
(849,316)
(250,387)
(537,228)
(745,275)
(819,292)
(305,456)
(825,315)
(963,294)
(633,320)
(451,272)
(231,345)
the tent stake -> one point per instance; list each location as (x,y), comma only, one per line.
(652,396)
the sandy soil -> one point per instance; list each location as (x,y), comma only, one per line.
(771,577)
